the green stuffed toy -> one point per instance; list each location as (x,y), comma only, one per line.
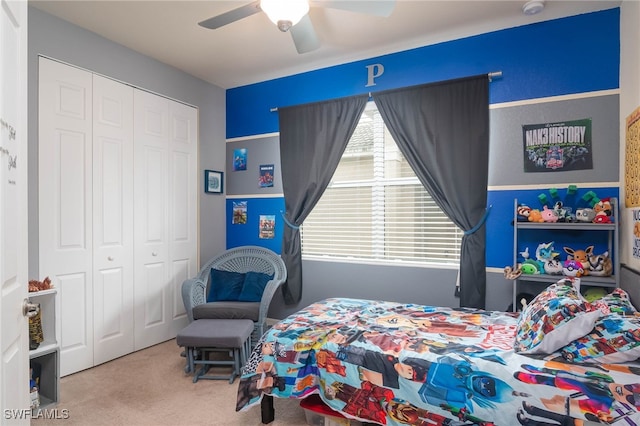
(594,293)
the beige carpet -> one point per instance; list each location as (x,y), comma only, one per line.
(149,387)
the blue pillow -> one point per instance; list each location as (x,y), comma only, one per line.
(225,285)
(254,284)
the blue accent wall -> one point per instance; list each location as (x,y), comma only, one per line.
(564,56)
(578,55)
(248,234)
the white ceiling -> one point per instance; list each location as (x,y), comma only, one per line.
(254,50)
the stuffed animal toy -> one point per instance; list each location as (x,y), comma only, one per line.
(522,213)
(35,285)
(585,215)
(553,266)
(573,268)
(594,293)
(512,273)
(581,256)
(600,265)
(544,252)
(530,267)
(603,206)
(522,299)
(535,216)
(603,211)
(601,218)
(564,213)
(548,215)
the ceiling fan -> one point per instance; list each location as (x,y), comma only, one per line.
(293,16)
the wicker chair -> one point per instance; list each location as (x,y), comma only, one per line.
(242,260)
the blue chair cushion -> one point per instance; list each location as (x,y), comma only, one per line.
(225,285)
(253,286)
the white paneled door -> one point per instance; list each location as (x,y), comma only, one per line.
(14,338)
(65,184)
(183,201)
(112,219)
(165,134)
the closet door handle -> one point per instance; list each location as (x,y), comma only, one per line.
(110,258)
(154,253)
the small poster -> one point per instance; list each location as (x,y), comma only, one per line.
(560,146)
(266,176)
(267,227)
(239,213)
(240,159)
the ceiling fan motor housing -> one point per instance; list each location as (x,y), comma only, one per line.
(284,25)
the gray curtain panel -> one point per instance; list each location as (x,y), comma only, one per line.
(442,129)
(313,138)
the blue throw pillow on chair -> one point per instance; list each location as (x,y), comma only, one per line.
(225,285)
(253,287)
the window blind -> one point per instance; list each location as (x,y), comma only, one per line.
(376,209)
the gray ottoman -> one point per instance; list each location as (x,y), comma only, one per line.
(204,336)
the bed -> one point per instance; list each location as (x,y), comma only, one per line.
(389,363)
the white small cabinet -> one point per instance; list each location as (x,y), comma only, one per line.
(46,357)
(605,231)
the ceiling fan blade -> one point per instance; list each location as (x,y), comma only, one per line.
(381,8)
(231,16)
(304,35)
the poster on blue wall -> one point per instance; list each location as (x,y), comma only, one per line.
(559,146)
(267,226)
(239,213)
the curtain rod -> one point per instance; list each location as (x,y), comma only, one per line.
(491,75)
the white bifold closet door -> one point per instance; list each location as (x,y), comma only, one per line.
(117,212)
(65,187)
(112,219)
(165,201)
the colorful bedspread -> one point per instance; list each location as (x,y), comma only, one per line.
(406,364)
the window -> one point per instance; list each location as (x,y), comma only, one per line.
(375,208)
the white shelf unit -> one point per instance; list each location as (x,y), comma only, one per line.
(47,354)
(573,227)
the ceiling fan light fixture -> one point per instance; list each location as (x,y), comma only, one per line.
(285,13)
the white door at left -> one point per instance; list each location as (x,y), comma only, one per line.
(14,356)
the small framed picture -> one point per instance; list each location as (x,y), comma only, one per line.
(213,182)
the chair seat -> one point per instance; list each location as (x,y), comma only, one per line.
(227,310)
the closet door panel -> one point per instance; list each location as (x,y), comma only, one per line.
(113,219)
(76,322)
(151,218)
(65,156)
(183,166)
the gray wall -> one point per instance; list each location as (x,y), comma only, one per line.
(58,39)
(322,279)
(264,150)
(630,282)
(506,165)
